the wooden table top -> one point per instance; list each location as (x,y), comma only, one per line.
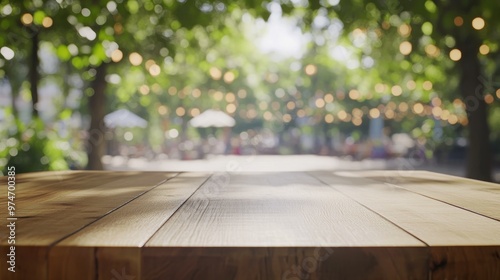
(298,225)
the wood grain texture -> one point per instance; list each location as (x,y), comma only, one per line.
(134,223)
(275,209)
(119,263)
(71,262)
(117,237)
(43,221)
(30,260)
(465,262)
(221,233)
(476,196)
(434,222)
(282,263)
(285,226)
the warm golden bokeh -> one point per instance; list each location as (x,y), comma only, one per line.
(478,23)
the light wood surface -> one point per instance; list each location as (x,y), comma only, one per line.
(119,235)
(431,221)
(295,225)
(65,206)
(266,209)
(460,192)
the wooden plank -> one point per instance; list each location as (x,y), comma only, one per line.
(40,198)
(465,262)
(30,261)
(44,221)
(477,196)
(275,209)
(221,232)
(117,237)
(464,245)
(287,263)
(45,188)
(118,263)
(434,222)
(78,266)
(141,217)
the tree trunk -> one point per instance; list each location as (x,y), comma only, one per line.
(97,130)
(33,72)
(479,160)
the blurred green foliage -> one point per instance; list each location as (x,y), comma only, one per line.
(31,148)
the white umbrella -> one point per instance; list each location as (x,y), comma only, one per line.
(212,118)
(124,118)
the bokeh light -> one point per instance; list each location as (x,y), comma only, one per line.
(484,49)
(374,113)
(310,69)
(396,90)
(458,21)
(432,50)
(116,55)
(354,94)
(455,54)
(230,108)
(230,97)
(320,103)
(405,48)
(7,52)
(427,85)
(162,110)
(488,98)
(194,112)
(180,111)
(154,70)
(135,59)
(411,85)
(47,22)
(215,73)
(404,30)
(229,77)
(478,23)
(329,98)
(418,108)
(27,19)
